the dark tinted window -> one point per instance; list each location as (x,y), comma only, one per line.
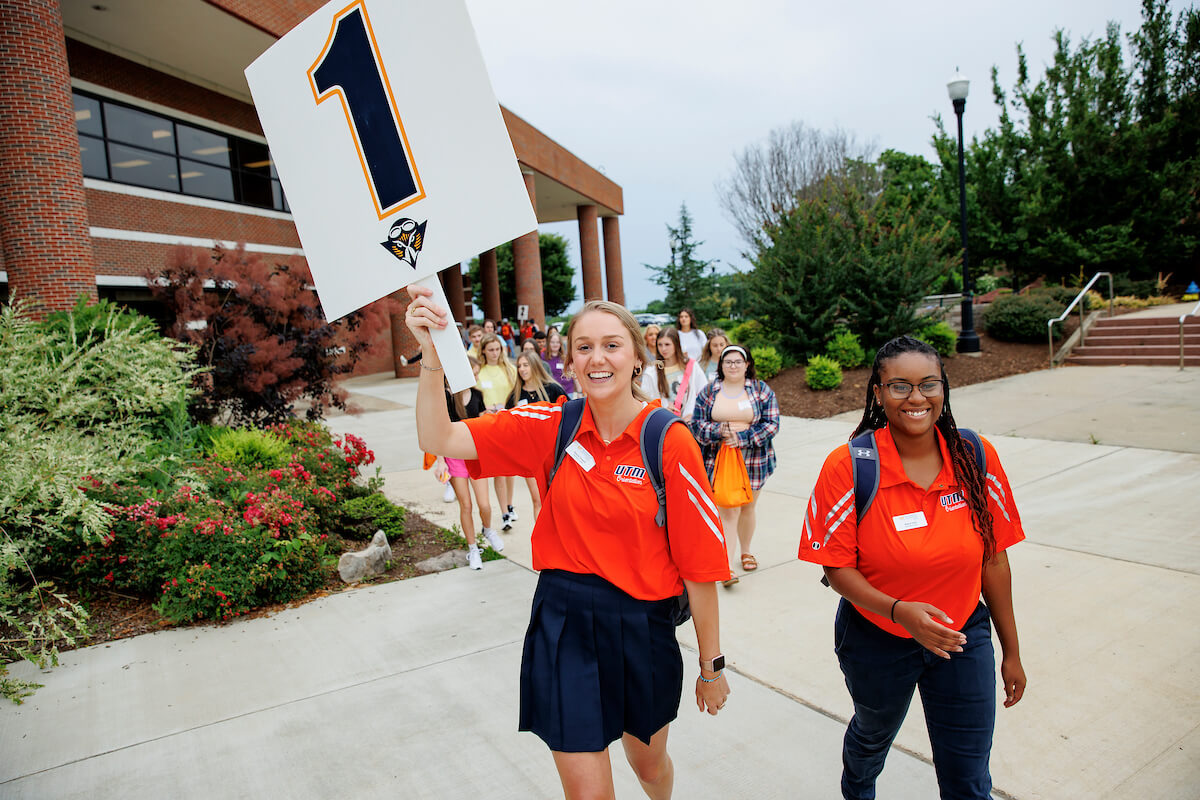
(130,126)
(201,145)
(87,116)
(142,167)
(91,152)
(206,180)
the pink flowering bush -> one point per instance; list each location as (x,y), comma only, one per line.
(233,537)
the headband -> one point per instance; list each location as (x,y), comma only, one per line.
(736,347)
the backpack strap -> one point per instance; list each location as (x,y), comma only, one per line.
(864,458)
(972,438)
(654,434)
(864,465)
(684,384)
(568,427)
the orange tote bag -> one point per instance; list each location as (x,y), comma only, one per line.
(731,483)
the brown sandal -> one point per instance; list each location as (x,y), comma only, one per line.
(730,581)
(749,562)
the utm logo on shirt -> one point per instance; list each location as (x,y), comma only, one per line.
(953,501)
(627,473)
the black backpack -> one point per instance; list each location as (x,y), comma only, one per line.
(864,457)
(654,433)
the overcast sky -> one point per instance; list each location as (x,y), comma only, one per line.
(661,95)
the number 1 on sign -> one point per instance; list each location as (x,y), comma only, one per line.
(351,68)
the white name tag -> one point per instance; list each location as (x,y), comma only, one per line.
(906,522)
(582,457)
(744,405)
(485,384)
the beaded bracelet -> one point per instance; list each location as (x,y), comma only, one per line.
(710,680)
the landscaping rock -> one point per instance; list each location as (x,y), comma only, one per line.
(353,567)
(448,560)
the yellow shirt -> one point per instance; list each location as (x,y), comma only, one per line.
(496,384)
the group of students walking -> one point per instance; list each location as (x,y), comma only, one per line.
(629,536)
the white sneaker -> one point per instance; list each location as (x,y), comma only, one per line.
(474,560)
(403,361)
(512,514)
(448,495)
(493,539)
(505,521)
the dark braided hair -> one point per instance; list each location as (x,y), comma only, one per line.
(966,469)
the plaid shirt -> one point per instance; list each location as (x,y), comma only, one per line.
(758,449)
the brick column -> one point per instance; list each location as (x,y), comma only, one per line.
(452,283)
(589,253)
(403,342)
(491,284)
(527,266)
(612,259)
(43,209)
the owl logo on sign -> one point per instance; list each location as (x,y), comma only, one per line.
(405,239)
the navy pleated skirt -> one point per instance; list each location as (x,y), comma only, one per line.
(597,663)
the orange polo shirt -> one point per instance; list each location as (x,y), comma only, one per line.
(599,517)
(915,544)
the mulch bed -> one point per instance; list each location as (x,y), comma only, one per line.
(998,360)
(118,616)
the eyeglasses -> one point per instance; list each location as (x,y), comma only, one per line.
(734,362)
(899,390)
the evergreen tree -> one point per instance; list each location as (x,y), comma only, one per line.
(690,282)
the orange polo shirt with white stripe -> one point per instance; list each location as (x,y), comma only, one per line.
(599,516)
(914,544)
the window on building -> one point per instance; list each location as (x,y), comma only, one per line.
(130,145)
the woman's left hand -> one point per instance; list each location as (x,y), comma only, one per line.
(1013,676)
(712,695)
(731,437)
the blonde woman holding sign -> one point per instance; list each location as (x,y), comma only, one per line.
(601,661)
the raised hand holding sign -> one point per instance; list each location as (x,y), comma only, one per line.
(411,170)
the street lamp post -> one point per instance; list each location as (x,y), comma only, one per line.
(968,339)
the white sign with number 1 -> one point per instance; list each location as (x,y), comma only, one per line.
(392,150)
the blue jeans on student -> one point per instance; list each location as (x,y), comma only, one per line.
(959,698)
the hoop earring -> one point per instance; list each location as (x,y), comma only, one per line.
(637,371)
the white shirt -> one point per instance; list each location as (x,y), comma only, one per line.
(693,342)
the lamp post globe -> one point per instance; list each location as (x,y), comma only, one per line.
(968,339)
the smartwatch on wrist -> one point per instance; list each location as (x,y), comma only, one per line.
(716,665)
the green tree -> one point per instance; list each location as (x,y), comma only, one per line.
(1094,166)
(845,254)
(558,277)
(685,277)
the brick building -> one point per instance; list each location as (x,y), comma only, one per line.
(130,130)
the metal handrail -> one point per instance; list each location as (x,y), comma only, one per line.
(1194,312)
(1076,301)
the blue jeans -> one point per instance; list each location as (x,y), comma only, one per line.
(959,698)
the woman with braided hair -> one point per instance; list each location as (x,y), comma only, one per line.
(911,572)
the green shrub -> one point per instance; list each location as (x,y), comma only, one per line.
(81,401)
(365,515)
(751,334)
(823,373)
(985,283)
(940,336)
(247,447)
(34,620)
(767,362)
(845,349)
(1022,317)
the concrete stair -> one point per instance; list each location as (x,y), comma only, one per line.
(1148,341)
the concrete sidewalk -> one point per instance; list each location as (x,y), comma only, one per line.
(411,687)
